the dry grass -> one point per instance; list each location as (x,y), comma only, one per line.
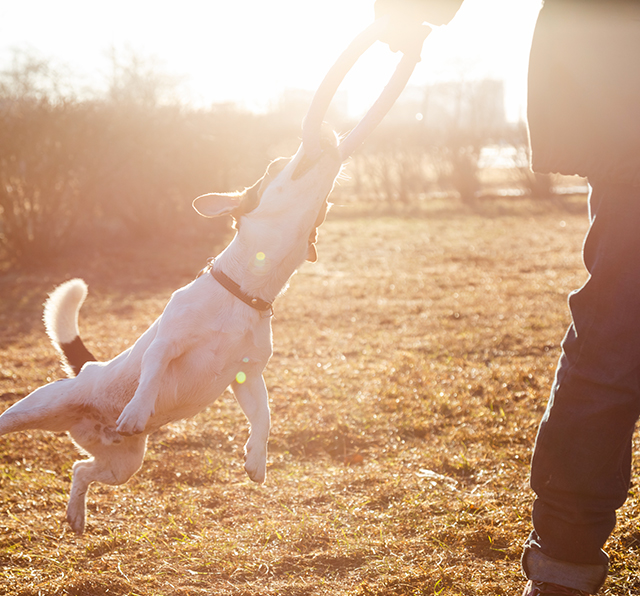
(411,367)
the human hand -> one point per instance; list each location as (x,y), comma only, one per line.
(407,29)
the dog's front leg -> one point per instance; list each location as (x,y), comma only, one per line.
(133,419)
(254,401)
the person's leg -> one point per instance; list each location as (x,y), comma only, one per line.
(581,464)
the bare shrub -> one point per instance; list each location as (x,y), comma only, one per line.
(118,170)
(41,173)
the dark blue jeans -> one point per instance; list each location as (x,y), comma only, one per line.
(581,464)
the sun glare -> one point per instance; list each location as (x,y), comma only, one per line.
(250,51)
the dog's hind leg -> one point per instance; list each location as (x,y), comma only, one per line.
(47,408)
(112,464)
(254,400)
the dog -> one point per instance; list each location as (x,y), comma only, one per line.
(214,333)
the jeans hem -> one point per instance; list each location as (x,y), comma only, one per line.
(539,567)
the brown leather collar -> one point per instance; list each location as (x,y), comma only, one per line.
(226,282)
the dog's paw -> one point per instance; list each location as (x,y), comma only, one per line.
(133,419)
(255,463)
(76,516)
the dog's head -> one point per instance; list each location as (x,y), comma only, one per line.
(285,207)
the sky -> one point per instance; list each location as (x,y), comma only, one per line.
(249,51)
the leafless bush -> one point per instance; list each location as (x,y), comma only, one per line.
(40,177)
(395,166)
(120,169)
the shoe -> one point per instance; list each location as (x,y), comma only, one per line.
(546,589)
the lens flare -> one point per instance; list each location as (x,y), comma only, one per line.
(241,378)
(260,261)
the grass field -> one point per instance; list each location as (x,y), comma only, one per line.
(412,364)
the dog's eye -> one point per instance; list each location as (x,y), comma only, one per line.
(251,200)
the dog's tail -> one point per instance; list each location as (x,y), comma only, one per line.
(61,322)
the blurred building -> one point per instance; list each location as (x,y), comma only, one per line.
(467,105)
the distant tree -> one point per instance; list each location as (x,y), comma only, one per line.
(473,115)
(139,80)
(30,76)
(432,139)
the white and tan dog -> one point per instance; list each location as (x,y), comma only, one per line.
(214,333)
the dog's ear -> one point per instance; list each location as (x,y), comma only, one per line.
(233,203)
(215,205)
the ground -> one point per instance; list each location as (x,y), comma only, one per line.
(412,365)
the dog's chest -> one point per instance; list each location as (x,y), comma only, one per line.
(199,376)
